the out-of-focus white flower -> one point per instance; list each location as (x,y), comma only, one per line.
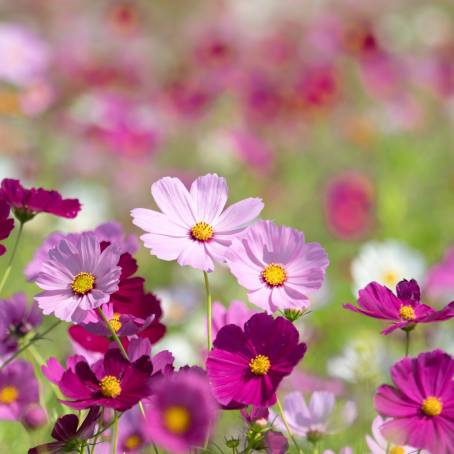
(362,359)
(316,419)
(378,445)
(182,350)
(387,263)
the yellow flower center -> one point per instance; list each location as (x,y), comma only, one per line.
(397,450)
(260,365)
(8,395)
(274,275)
(432,406)
(202,231)
(83,283)
(407,313)
(110,386)
(115,323)
(133,442)
(177,419)
(390,278)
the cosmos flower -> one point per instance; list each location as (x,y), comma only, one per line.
(379,445)
(192,227)
(77,277)
(16,320)
(6,223)
(131,438)
(237,314)
(316,419)
(183,412)
(277,267)
(18,389)
(112,382)
(387,263)
(68,435)
(405,310)
(246,366)
(440,278)
(349,205)
(27,203)
(25,56)
(421,403)
(110,232)
(34,417)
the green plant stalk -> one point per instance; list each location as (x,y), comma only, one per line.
(11,259)
(209,310)
(287,427)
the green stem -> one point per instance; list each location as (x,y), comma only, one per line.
(407,343)
(209,310)
(155,449)
(35,338)
(115,435)
(11,258)
(287,428)
(95,438)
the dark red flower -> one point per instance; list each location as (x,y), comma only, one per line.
(26,203)
(6,223)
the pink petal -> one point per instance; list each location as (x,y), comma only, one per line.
(209,195)
(238,215)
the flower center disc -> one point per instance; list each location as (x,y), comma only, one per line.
(110,386)
(397,450)
(274,275)
(431,406)
(407,313)
(390,278)
(177,419)
(202,232)
(115,323)
(83,283)
(260,365)
(8,395)
(133,442)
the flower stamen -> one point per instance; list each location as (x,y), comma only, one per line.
(83,283)
(110,386)
(260,365)
(177,419)
(274,275)
(432,406)
(407,313)
(115,323)
(8,395)
(201,231)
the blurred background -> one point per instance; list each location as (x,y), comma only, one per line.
(339,114)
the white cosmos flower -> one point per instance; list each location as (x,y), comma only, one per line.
(387,263)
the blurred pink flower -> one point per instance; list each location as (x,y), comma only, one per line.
(236,313)
(440,278)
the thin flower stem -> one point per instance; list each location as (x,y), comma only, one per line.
(95,438)
(287,428)
(115,434)
(155,449)
(209,310)
(120,345)
(407,343)
(113,333)
(11,259)
(35,338)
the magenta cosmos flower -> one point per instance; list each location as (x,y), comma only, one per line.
(112,382)
(237,314)
(77,277)
(26,203)
(277,267)
(183,412)
(193,227)
(246,366)
(421,403)
(405,310)
(6,223)
(18,389)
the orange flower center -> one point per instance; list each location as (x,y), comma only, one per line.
(201,231)
(274,275)
(8,395)
(110,386)
(177,419)
(407,313)
(432,406)
(115,323)
(83,283)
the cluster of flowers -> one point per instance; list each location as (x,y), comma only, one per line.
(136,398)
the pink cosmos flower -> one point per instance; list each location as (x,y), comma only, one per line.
(27,203)
(77,277)
(379,445)
(421,403)
(440,278)
(246,366)
(277,267)
(193,227)
(183,412)
(405,310)
(18,389)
